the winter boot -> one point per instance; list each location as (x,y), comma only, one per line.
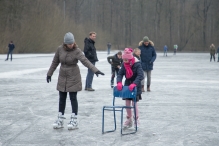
(59,122)
(148,88)
(73,124)
(142,88)
(137,120)
(128,122)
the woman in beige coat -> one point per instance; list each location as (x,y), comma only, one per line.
(69,79)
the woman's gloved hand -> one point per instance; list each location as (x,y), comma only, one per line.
(48,79)
(119,86)
(132,86)
(99,72)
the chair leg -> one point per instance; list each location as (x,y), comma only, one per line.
(103,122)
(114,112)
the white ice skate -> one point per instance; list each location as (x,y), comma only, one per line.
(128,123)
(73,124)
(59,122)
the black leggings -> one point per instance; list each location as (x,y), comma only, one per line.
(62,102)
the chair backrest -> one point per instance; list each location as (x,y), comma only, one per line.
(125,92)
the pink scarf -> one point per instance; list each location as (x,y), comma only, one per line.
(128,69)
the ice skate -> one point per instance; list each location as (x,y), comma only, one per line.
(73,124)
(112,84)
(59,122)
(138,123)
(128,123)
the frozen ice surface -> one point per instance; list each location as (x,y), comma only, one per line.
(181,109)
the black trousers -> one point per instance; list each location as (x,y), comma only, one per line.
(62,102)
(212,56)
(115,71)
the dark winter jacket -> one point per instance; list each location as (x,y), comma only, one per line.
(148,56)
(138,57)
(212,50)
(90,50)
(11,47)
(114,60)
(69,79)
(137,77)
(218,50)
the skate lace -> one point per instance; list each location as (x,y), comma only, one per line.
(127,122)
(59,120)
(73,121)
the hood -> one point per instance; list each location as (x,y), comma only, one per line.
(136,60)
(141,42)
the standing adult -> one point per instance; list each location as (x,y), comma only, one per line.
(175,48)
(212,52)
(11,47)
(148,56)
(91,54)
(108,47)
(165,50)
(218,54)
(69,79)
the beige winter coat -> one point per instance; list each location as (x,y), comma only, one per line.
(69,79)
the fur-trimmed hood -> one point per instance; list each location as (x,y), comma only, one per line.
(141,42)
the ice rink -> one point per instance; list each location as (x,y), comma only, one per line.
(182,108)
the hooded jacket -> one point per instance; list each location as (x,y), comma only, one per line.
(90,50)
(148,55)
(137,77)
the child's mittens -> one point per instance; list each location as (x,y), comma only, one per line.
(132,86)
(119,86)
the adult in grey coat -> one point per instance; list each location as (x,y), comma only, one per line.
(69,79)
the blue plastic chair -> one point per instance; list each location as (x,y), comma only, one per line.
(124,93)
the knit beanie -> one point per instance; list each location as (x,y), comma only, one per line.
(69,38)
(145,39)
(127,53)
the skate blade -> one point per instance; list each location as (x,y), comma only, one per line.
(72,128)
(56,127)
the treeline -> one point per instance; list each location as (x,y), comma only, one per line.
(38,26)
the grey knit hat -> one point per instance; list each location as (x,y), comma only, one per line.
(69,38)
(145,39)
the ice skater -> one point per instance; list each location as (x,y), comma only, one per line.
(115,61)
(212,52)
(165,50)
(11,47)
(69,79)
(137,53)
(132,70)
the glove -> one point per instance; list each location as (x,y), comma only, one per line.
(99,72)
(132,86)
(48,78)
(119,86)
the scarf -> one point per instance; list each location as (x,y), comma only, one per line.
(129,72)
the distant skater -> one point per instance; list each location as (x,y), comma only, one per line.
(11,47)
(175,49)
(69,80)
(212,52)
(115,61)
(165,50)
(218,54)
(108,47)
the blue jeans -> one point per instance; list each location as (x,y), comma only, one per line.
(108,51)
(9,52)
(89,78)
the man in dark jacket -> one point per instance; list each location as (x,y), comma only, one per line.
(90,53)
(10,50)
(218,54)
(115,61)
(148,56)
